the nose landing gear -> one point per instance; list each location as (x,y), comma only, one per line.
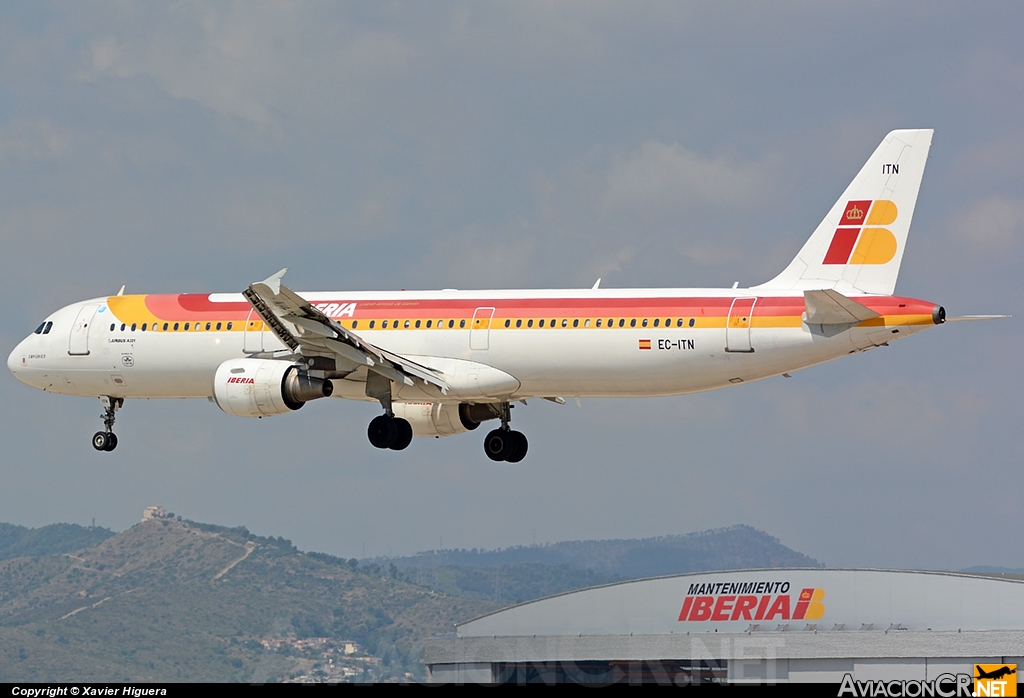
(505,444)
(107,440)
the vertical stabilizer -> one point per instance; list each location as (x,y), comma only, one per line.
(858,248)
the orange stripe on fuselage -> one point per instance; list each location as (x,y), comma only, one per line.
(768,311)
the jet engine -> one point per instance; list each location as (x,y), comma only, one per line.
(443,419)
(263,388)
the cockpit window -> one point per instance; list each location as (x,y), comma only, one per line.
(46,330)
(39,330)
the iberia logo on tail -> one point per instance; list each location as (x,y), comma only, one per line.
(860,237)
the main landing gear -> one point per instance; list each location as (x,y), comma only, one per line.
(504,444)
(107,440)
(389,431)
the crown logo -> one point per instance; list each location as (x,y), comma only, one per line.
(854,214)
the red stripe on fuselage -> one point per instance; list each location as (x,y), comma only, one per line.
(184,307)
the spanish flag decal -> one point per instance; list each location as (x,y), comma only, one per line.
(645,344)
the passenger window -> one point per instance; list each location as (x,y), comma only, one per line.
(599,322)
(451,324)
(133,327)
(111,327)
(394,324)
(229,325)
(417,324)
(462,323)
(541,324)
(406,325)
(519,322)
(176,327)
(218,326)
(529,323)
(611,323)
(552,323)
(565,322)
(632,323)
(644,323)
(691,321)
(586,323)
(668,322)
(207,327)
(122,327)
(508,323)
(576,322)
(384,325)
(186,326)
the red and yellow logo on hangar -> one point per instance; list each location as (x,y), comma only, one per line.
(752,601)
(860,237)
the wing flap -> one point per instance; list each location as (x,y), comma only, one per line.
(303,328)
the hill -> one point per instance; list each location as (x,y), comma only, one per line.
(736,547)
(178,600)
(19,541)
(174,600)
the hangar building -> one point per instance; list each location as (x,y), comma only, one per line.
(798,625)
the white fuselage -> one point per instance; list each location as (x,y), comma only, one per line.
(712,340)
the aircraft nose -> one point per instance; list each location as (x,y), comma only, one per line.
(14,361)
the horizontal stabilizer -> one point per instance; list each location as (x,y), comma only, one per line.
(830,307)
(965,318)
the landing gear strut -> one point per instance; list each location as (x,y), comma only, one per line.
(107,440)
(503,443)
(387,430)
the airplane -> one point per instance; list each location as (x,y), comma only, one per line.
(443,362)
(999,673)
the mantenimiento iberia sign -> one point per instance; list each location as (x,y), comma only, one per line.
(750,600)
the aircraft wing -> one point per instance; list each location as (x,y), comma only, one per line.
(305,329)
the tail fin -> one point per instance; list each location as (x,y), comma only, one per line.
(858,248)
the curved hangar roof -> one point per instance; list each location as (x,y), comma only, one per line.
(750,600)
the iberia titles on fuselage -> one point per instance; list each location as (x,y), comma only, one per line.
(442,362)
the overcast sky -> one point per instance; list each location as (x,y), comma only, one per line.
(197,147)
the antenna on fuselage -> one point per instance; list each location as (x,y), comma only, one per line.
(121,292)
(596,284)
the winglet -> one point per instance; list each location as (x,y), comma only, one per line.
(274,282)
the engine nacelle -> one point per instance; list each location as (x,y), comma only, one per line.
(443,419)
(263,387)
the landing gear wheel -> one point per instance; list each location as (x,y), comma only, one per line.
(105,440)
(383,432)
(521,446)
(404,434)
(501,445)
